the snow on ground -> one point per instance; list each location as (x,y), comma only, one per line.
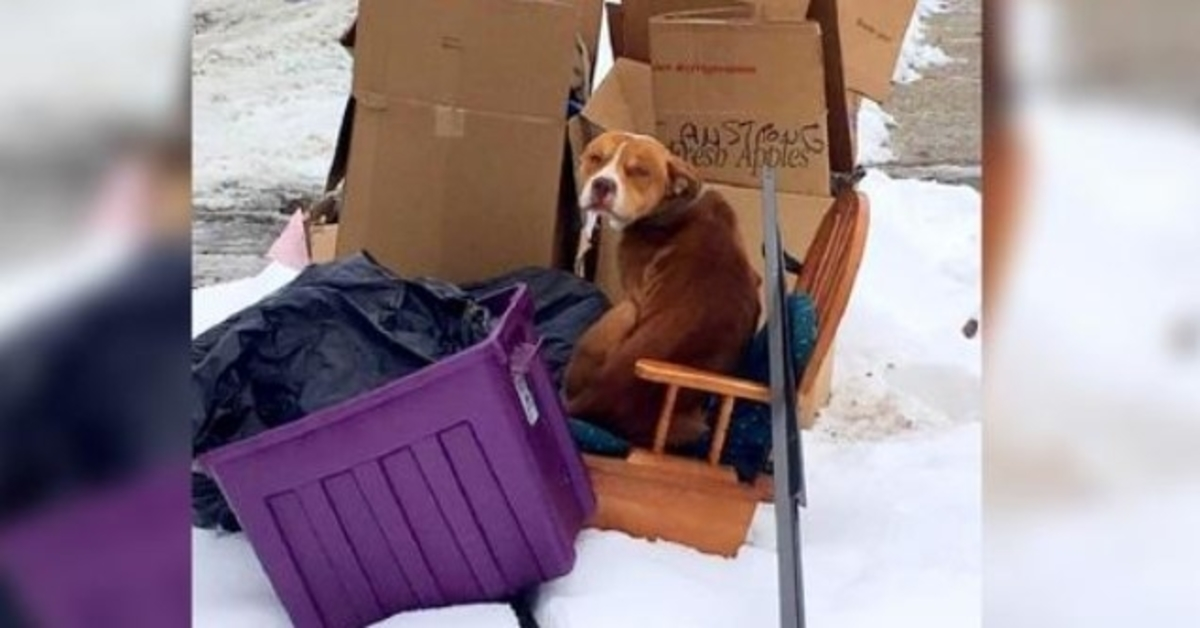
(892,536)
(269,86)
(902,362)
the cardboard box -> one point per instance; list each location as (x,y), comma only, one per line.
(322,243)
(872,33)
(799,217)
(734,93)
(634,31)
(458,137)
(636,16)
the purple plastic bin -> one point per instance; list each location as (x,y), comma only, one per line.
(458,483)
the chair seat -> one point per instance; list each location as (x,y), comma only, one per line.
(674,499)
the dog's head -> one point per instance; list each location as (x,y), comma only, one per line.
(628,177)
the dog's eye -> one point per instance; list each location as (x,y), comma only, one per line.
(593,159)
(637,172)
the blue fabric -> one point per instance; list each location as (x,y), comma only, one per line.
(596,440)
(748,443)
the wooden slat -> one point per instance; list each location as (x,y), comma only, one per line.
(694,379)
(681,468)
(721,431)
(830,281)
(664,420)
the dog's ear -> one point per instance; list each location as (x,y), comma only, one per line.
(682,179)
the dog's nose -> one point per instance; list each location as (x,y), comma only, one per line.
(603,187)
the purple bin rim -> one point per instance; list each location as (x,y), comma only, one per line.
(517,297)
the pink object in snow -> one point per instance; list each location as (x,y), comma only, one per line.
(291,247)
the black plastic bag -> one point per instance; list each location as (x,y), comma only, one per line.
(336,331)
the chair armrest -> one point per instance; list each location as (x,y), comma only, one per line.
(695,379)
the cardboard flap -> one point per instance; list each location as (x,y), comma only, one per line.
(744,14)
(502,56)
(872,34)
(784,10)
(636,21)
(624,100)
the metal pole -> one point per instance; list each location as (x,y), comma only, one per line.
(786,445)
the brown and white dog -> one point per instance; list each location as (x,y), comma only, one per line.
(691,296)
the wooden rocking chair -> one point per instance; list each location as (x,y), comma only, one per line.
(652,494)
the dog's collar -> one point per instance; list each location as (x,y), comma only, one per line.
(670,213)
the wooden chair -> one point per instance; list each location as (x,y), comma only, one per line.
(652,494)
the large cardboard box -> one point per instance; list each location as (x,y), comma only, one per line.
(734,92)
(458,137)
(872,33)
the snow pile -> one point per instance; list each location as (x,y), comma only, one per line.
(269,85)
(213,304)
(874,134)
(892,539)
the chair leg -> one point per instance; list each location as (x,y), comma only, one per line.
(664,420)
(722,430)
